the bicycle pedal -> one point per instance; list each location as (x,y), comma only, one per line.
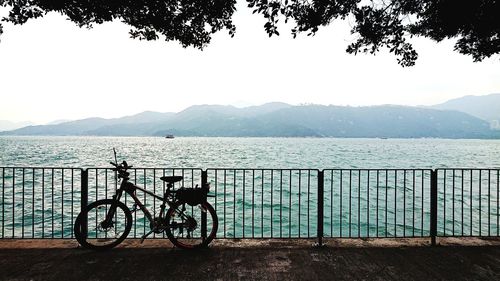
(135,207)
(202,208)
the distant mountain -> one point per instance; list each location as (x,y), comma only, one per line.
(59,121)
(485,107)
(383,121)
(89,125)
(249,111)
(280,120)
(144,117)
(263,109)
(8,125)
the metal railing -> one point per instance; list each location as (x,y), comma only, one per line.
(271,203)
(265,203)
(468,202)
(39,202)
(377,203)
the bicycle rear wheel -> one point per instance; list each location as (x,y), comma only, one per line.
(101,233)
(185,229)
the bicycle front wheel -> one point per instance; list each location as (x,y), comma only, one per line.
(103,233)
(185,228)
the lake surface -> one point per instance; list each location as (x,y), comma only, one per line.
(274,200)
(316,153)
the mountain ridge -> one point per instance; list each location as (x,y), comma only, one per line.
(6,125)
(280,120)
(486,107)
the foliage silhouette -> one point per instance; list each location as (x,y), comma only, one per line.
(388,23)
(191,22)
(376,23)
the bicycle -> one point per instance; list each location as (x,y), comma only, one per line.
(105,223)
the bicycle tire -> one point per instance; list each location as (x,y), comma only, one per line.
(196,242)
(89,241)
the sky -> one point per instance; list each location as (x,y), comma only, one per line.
(51,69)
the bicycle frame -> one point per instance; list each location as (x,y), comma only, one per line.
(131,189)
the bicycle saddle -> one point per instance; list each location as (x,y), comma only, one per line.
(172,179)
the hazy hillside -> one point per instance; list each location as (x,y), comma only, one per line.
(383,121)
(55,122)
(280,120)
(249,111)
(485,107)
(8,125)
(88,125)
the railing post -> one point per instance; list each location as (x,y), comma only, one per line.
(84,193)
(204,181)
(434,193)
(321,200)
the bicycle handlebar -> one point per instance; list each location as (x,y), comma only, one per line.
(123,166)
(120,168)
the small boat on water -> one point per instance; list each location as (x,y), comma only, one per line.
(169,136)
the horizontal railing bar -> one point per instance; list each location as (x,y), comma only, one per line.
(143,168)
(259,169)
(374,169)
(38,168)
(468,169)
(239,169)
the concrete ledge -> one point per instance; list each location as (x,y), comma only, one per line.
(264,243)
(342,259)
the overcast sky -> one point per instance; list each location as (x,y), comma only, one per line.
(51,69)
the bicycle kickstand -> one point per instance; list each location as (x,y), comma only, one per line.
(146,235)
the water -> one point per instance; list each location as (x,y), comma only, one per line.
(314,153)
(262,203)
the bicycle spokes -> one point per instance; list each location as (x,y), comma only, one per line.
(189,228)
(103,230)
